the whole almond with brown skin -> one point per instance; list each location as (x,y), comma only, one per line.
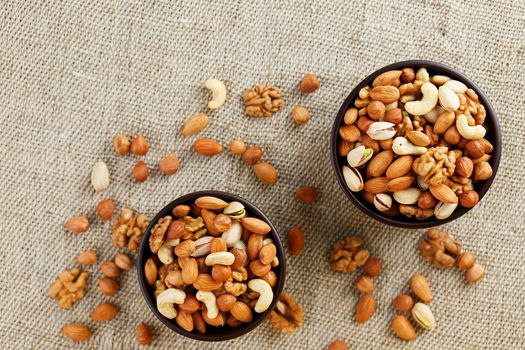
(388,78)
(403,328)
(444,121)
(208,216)
(242,312)
(87,258)
(399,167)
(104,312)
(271,278)
(181,211)
(365,308)
(372,267)
(123,261)
(349,133)
(337,344)
(110,269)
(139,146)
(225,302)
(105,209)
(443,193)
(216,322)
(400,183)
(169,164)
(464,166)
(306,194)
(267,253)
(266,173)
(379,163)
(190,270)
(184,320)
(77,224)
(185,249)
(258,268)
(221,273)
(364,284)
(386,94)
(210,202)
(377,185)
(363,123)
(194,124)
(418,138)
(176,230)
(109,286)
(252,155)
(350,116)
(419,285)
(205,282)
(207,147)
(344,147)
(150,271)
(198,322)
(403,302)
(309,83)
(295,240)
(76,331)
(143,334)
(253,246)
(255,225)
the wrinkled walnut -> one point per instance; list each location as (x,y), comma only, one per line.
(240,274)
(409,125)
(158,232)
(346,255)
(128,229)
(235,288)
(420,214)
(459,184)
(262,100)
(68,288)
(436,165)
(438,247)
(288,315)
(194,228)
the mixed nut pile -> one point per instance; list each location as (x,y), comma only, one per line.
(415,144)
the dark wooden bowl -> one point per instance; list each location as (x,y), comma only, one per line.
(212,333)
(493,135)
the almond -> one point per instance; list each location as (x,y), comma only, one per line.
(444,121)
(184,320)
(267,253)
(388,78)
(266,173)
(400,183)
(176,230)
(216,322)
(225,302)
(76,331)
(181,210)
(87,258)
(400,167)
(221,273)
(205,282)
(372,267)
(306,194)
(210,202)
(194,124)
(104,312)
(185,248)
(258,268)
(394,116)
(170,164)
(190,270)
(309,83)
(255,225)
(110,269)
(418,138)
(77,224)
(386,94)
(143,334)
(403,328)
(420,287)
(295,240)
(376,185)
(364,284)
(253,246)
(208,217)
(105,209)
(207,147)
(379,163)
(198,322)
(108,286)
(150,271)
(252,155)
(443,193)
(242,312)
(364,309)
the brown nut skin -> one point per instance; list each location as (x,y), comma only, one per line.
(403,303)
(77,224)
(372,267)
(295,240)
(337,344)
(363,123)
(300,115)
(394,116)
(258,268)
(306,194)
(105,209)
(241,258)
(365,308)
(252,155)
(408,75)
(344,147)
(237,147)
(121,144)
(271,278)
(266,173)
(225,302)
(403,328)
(150,271)
(190,305)
(180,211)
(169,164)
(143,334)
(110,269)
(108,286)
(376,110)
(464,166)
(369,142)
(139,146)
(482,171)
(475,273)
(350,116)
(140,171)
(475,149)
(466,260)
(426,200)
(87,258)
(349,133)
(221,273)
(468,199)
(452,136)
(309,83)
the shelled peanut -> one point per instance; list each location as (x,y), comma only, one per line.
(415,144)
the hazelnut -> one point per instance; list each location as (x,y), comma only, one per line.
(170,164)
(108,286)
(461,144)
(271,278)
(475,273)
(426,200)
(139,146)
(376,110)
(123,261)
(482,171)
(403,302)
(338,344)
(466,260)
(475,149)
(306,194)
(241,258)
(364,284)
(237,147)
(408,75)
(488,146)
(105,209)
(369,142)
(143,334)
(452,135)
(372,267)
(221,273)
(350,116)
(393,116)
(363,123)
(121,144)
(468,199)
(464,166)
(309,84)
(300,115)
(140,171)
(252,155)
(110,269)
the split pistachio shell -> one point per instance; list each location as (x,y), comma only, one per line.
(444,210)
(353,179)
(359,156)
(408,196)
(202,246)
(403,147)
(381,131)
(423,186)
(382,201)
(235,210)
(423,315)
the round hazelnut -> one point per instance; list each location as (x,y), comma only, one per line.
(475,149)
(143,334)
(338,344)
(403,302)
(464,166)
(225,302)
(363,123)
(309,84)
(452,135)
(271,278)
(408,75)
(237,147)
(108,286)
(393,116)
(466,260)
(461,144)
(475,273)
(105,209)
(350,116)
(170,164)
(300,115)
(482,171)
(376,110)
(121,144)
(306,194)
(372,267)
(468,199)
(252,155)
(221,273)
(140,171)
(426,200)
(139,146)
(110,269)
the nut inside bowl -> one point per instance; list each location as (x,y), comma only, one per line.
(383,130)
(212,333)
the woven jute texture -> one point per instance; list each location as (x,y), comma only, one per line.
(75,73)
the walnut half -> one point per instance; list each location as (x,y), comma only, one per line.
(288,315)
(262,100)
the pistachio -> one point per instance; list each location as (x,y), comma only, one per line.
(202,246)
(421,183)
(408,196)
(444,210)
(381,131)
(235,210)
(382,201)
(353,179)
(359,156)
(423,315)
(402,146)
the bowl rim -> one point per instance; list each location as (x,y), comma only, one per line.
(144,253)
(440,68)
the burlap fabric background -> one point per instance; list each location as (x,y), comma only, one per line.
(73,74)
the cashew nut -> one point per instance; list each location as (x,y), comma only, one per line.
(267,241)
(422,74)
(448,99)
(456,86)
(240,245)
(166,299)
(427,103)
(439,79)
(233,235)
(219,258)
(202,246)
(403,147)
(265,294)
(218,91)
(209,299)
(469,132)
(432,116)
(165,252)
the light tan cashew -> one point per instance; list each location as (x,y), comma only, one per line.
(165,252)
(235,210)
(267,241)
(390,106)
(427,103)
(166,301)
(240,245)
(439,79)
(202,246)
(432,116)
(219,258)
(456,86)
(422,74)
(469,132)
(275,261)
(353,179)
(403,147)
(448,99)
(265,294)
(380,131)
(444,210)
(421,183)
(407,98)
(218,91)
(233,235)
(407,196)
(209,299)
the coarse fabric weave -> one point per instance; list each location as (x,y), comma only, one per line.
(75,73)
